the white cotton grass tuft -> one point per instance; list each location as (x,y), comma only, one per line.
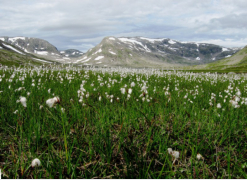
(23,101)
(132,84)
(169,150)
(219,106)
(130,91)
(36,162)
(199,156)
(122,90)
(175,154)
(51,102)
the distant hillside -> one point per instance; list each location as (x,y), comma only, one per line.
(72,53)
(42,48)
(123,51)
(146,52)
(238,61)
(11,55)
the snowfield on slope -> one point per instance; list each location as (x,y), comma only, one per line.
(10,47)
(98,58)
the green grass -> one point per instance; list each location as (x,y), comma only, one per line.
(125,138)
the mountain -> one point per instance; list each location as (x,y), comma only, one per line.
(42,48)
(146,52)
(123,51)
(73,53)
(12,55)
(237,61)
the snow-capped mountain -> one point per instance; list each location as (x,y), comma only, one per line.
(12,55)
(144,52)
(124,51)
(73,53)
(42,48)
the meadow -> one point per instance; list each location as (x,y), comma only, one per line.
(122,123)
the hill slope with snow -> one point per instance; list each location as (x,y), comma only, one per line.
(146,52)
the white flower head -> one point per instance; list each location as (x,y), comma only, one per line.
(36,162)
(122,90)
(51,102)
(219,106)
(237,99)
(132,84)
(238,93)
(175,154)
(169,150)
(130,91)
(23,101)
(199,156)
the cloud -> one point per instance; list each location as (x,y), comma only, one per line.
(83,24)
(232,21)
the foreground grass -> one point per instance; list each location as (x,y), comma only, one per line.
(126,137)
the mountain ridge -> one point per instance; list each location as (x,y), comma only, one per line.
(42,48)
(141,51)
(126,52)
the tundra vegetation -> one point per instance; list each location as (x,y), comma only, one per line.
(122,123)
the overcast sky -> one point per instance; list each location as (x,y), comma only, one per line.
(82,24)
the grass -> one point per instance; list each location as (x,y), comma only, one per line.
(125,138)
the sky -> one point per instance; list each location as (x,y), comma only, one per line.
(82,24)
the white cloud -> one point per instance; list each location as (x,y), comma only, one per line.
(84,23)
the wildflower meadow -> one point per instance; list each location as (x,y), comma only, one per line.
(122,123)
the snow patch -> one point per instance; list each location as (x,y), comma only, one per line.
(173,49)
(126,40)
(99,62)
(98,58)
(198,58)
(111,38)
(41,60)
(151,40)
(60,59)
(130,54)
(112,52)
(171,42)
(10,47)
(225,49)
(228,56)
(86,60)
(100,50)
(16,38)
(41,52)
(213,59)
(2,39)
(62,52)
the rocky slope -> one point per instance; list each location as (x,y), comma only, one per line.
(146,52)
(42,48)
(12,55)
(237,61)
(130,52)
